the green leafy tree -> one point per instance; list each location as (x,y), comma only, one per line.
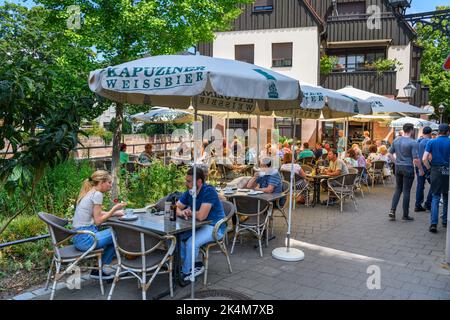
(436,49)
(124,30)
(41,97)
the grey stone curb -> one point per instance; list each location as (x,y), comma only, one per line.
(30,295)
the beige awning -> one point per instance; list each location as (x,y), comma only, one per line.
(359,43)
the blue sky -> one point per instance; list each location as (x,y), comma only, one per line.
(427,5)
(417,5)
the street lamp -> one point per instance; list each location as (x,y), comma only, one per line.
(409,90)
(441,111)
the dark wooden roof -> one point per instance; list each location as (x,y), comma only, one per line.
(285,14)
(392,26)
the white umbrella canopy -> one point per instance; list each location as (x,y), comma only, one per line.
(381,104)
(418,123)
(318,101)
(216,84)
(163,115)
(158,115)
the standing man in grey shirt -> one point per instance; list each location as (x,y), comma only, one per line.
(406,151)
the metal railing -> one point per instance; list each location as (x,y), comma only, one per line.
(358,16)
(32,239)
(133,146)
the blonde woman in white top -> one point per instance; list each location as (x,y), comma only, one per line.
(89,215)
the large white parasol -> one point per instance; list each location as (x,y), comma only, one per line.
(206,83)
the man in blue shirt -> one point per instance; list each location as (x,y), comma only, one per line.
(267,180)
(406,156)
(426,177)
(439,150)
(208,207)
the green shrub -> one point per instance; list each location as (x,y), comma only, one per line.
(29,255)
(96,130)
(58,190)
(383,65)
(55,193)
(150,184)
(327,64)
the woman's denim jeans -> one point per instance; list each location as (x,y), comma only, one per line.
(202,235)
(404,176)
(104,240)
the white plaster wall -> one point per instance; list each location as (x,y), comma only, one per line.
(402,54)
(305,49)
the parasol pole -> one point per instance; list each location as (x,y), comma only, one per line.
(447,247)
(194,202)
(346,137)
(287,253)
(165,142)
(258,124)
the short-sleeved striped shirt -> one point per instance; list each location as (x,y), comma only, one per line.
(271,179)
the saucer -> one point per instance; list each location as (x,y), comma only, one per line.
(129,218)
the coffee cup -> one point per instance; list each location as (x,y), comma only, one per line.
(129,212)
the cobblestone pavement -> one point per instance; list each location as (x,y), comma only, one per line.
(339,248)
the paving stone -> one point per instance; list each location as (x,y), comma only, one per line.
(24,296)
(397,293)
(420,296)
(417,288)
(438,293)
(338,249)
(41,291)
(433,283)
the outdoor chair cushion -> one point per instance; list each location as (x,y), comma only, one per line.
(70,252)
(342,190)
(152,259)
(253,220)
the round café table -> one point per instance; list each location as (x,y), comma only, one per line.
(316,182)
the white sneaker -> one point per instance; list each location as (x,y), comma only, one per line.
(197,271)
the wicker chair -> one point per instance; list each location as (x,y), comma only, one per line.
(297,190)
(306,168)
(226,172)
(255,215)
(343,187)
(153,255)
(361,180)
(230,211)
(307,160)
(277,203)
(68,254)
(352,170)
(376,171)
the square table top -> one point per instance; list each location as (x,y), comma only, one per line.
(264,196)
(159,224)
(318,176)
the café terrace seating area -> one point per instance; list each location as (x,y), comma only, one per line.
(338,228)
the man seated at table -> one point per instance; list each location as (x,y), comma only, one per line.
(306,152)
(267,180)
(318,151)
(208,207)
(336,168)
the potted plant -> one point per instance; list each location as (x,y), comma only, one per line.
(327,64)
(383,65)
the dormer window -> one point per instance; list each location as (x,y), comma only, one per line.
(351,8)
(263,6)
